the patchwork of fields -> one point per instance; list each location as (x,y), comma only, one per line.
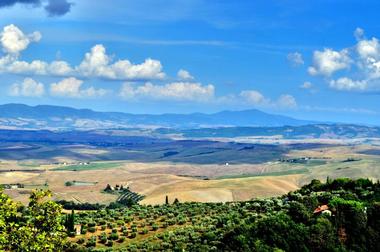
(212,172)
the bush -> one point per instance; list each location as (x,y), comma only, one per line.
(91,224)
(92,229)
(144,231)
(83,230)
(114,236)
(91,242)
(103,239)
(72,234)
(109,244)
(80,241)
(121,239)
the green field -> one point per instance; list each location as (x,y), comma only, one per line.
(91,166)
(277,173)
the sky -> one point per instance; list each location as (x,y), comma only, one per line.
(315,60)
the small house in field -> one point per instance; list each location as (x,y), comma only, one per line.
(77,229)
(324,209)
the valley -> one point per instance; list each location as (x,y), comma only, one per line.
(189,170)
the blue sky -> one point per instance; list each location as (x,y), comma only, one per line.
(318,60)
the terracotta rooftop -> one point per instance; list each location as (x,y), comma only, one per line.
(321,209)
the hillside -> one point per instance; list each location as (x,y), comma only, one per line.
(302,131)
(56,117)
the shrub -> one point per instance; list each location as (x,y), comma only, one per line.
(144,231)
(80,241)
(109,243)
(114,236)
(154,227)
(83,230)
(72,234)
(92,229)
(103,239)
(91,242)
(91,224)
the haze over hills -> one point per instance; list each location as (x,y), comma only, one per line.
(55,117)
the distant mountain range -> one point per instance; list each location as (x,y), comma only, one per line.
(311,131)
(20,116)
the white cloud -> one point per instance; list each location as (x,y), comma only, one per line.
(347,84)
(96,63)
(178,91)
(359,33)
(286,101)
(13,40)
(71,87)
(254,97)
(295,58)
(184,75)
(28,87)
(368,48)
(364,76)
(307,85)
(328,61)
(60,68)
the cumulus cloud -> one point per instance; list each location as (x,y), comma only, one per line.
(71,87)
(177,91)
(306,85)
(58,7)
(254,97)
(53,7)
(295,58)
(359,33)
(98,64)
(28,87)
(13,40)
(348,84)
(95,64)
(362,60)
(328,61)
(286,101)
(184,75)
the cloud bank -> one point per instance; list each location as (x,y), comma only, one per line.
(95,64)
(360,62)
(53,8)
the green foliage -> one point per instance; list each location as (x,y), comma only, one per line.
(70,222)
(286,223)
(35,228)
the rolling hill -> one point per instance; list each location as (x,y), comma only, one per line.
(20,116)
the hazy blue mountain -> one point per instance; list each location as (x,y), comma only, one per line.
(288,132)
(46,116)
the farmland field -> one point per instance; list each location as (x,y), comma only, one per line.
(208,171)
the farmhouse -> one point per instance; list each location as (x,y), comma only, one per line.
(324,209)
(12,186)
